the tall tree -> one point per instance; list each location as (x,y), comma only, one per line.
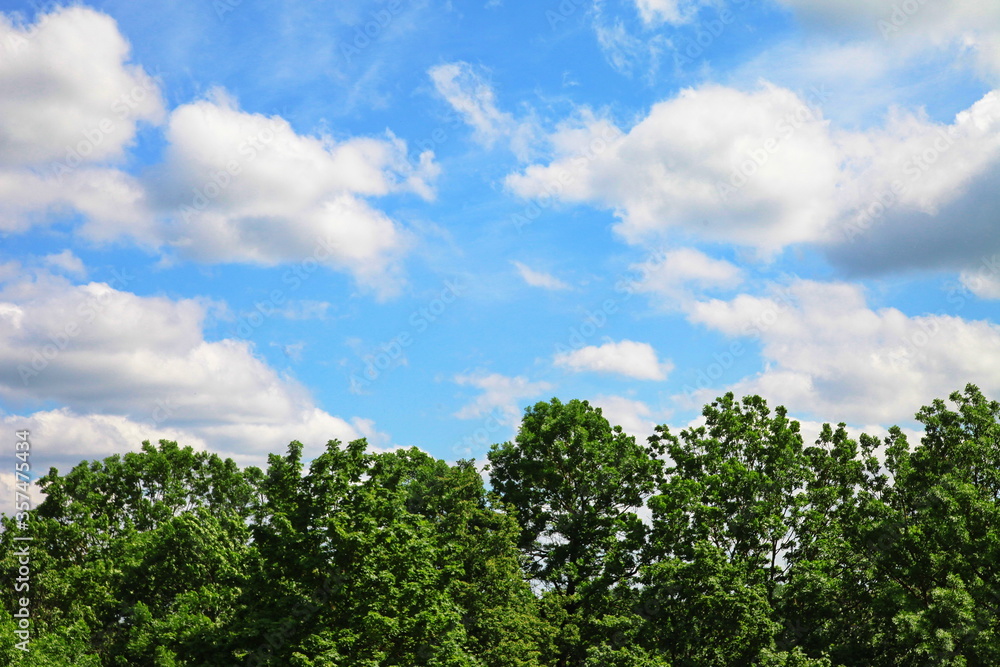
(724,520)
(575,484)
(932,540)
(387,559)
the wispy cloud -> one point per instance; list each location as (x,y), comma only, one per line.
(539,278)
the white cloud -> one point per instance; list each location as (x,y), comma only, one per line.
(234,187)
(468,92)
(244,187)
(59,135)
(935,162)
(627,51)
(112,202)
(671,274)
(984,282)
(674,12)
(65,438)
(67,262)
(69,90)
(499,392)
(932,183)
(656,11)
(539,278)
(765,170)
(828,354)
(635,417)
(961,25)
(115,360)
(466,88)
(628,358)
(658,177)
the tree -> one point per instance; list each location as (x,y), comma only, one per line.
(137,559)
(826,604)
(760,551)
(722,523)
(385,559)
(931,540)
(575,484)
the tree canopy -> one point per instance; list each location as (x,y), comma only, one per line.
(732,543)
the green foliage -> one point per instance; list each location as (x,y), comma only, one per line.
(758,549)
(416,564)
(575,483)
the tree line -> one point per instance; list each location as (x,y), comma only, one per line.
(733,543)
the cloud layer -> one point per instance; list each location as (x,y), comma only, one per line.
(127,364)
(830,355)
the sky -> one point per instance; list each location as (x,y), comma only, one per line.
(235,223)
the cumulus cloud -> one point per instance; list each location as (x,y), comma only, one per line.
(498,393)
(118,362)
(539,278)
(71,107)
(234,186)
(758,168)
(827,353)
(627,357)
(111,201)
(984,281)
(933,184)
(675,274)
(764,169)
(69,89)
(245,187)
(91,436)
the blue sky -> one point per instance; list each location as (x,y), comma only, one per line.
(234,224)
